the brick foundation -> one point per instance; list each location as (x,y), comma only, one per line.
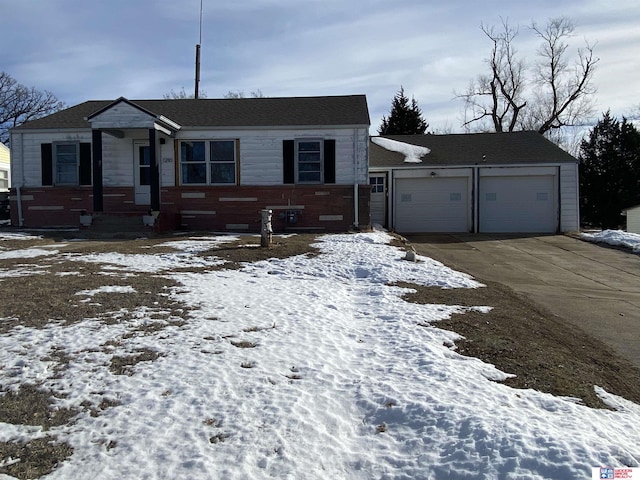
(295,208)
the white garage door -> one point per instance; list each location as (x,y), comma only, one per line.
(524,204)
(432,204)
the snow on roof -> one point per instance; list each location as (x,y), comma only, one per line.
(412,153)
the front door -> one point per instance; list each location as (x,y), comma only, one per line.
(378,203)
(142,174)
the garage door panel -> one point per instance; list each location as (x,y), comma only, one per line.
(524,204)
(432,205)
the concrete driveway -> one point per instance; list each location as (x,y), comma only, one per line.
(592,287)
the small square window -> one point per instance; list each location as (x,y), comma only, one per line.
(192,152)
(194,173)
(377,184)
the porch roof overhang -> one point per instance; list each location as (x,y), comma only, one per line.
(123,114)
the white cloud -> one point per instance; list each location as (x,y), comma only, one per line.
(82,50)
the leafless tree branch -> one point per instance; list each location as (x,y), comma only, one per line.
(20,104)
(560,91)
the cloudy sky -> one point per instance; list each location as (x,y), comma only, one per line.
(99,49)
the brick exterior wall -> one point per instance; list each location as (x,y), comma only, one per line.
(295,208)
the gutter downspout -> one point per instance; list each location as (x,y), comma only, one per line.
(356,206)
(476,199)
(19,186)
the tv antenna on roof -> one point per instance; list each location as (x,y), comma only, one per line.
(197,86)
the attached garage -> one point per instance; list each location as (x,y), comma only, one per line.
(517,182)
(525,204)
(432,204)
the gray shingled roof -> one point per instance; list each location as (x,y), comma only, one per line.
(247,112)
(469,149)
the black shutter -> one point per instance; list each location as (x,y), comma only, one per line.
(329,161)
(85,164)
(288,161)
(46,159)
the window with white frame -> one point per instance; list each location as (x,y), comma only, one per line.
(66,158)
(309,166)
(377,184)
(208,162)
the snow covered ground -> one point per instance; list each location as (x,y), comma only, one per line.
(301,368)
(617,238)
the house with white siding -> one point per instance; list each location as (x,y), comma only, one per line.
(5,168)
(633,219)
(197,163)
(516,182)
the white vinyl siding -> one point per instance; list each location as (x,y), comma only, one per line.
(5,167)
(569,198)
(259,157)
(123,116)
(633,220)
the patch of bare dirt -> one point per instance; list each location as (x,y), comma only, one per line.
(30,405)
(521,338)
(36,300)
(123,364)
(248,249)
(33,459)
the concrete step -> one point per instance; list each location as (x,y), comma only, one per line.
(119,225)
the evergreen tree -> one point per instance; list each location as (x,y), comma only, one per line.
(405,118)
(609,172)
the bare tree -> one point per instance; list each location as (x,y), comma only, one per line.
(498,95)
(182,95)
(231,94)
(560,90)
(19,104)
